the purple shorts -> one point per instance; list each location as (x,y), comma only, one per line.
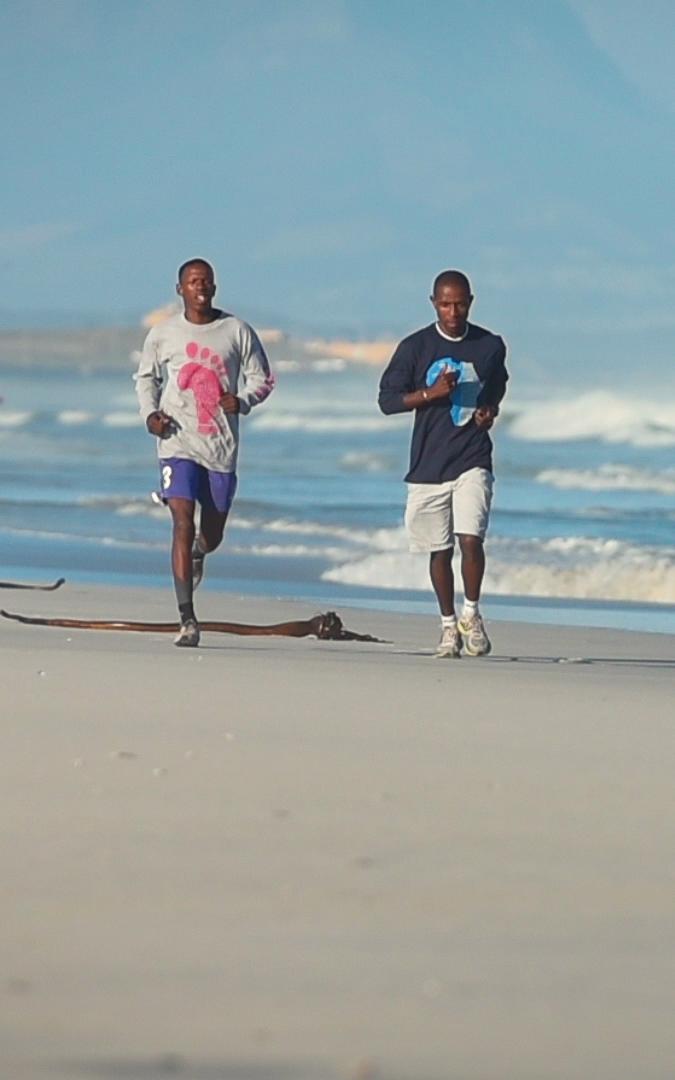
(183,479)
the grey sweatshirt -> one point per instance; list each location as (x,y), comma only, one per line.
(184,369)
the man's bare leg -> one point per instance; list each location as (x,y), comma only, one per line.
(443,580)
(473,566)
(211,528)
(471,627)
(183,518)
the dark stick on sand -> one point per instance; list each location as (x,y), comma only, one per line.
(327,627)
(40,588)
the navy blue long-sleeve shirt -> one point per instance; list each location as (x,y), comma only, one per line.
(446,441)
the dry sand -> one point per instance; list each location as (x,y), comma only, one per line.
(300,860)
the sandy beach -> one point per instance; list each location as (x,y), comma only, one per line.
(276,859)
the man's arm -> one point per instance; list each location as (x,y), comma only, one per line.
(397,385)
(254,373)
(148,382)
(494,389)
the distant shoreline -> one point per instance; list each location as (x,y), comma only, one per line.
(112,348)
(108,347)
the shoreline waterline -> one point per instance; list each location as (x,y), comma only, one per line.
(619,615)
(320,503)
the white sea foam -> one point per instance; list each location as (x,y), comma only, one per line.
(329,365)
(319,404)
(141,509)
(569,567)
(354,461)
(385,570)
(293,551)
(611,478)
(287,365)
(14,419)
(378,539)
(71,417)
(279,421)
(101,541)
(597,414)
(121,419)
(585,568)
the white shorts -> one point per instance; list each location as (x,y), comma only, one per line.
(436,512)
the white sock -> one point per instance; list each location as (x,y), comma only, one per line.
(470,609)
(448,622)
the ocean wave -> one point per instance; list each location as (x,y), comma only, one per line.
(15,419)
(292,551)
(351,539)
(568,567)
(138,508)
(279,421)
(329,365)
(71,417)
(354,461)
(121,419)
(384,539)
(326,366)
(320,405)
(285,366)
(80,538)
(597,414)
(611,478)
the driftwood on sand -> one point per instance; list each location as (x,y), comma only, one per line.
(40,588)
(327,627)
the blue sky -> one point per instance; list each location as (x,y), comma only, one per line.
(331,157)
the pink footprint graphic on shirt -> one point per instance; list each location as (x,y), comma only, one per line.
(206,376)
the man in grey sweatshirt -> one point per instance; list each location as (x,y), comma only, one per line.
(200,370)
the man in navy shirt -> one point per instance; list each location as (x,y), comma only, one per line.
(452,374)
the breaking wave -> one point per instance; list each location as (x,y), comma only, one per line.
(279,421)
(366,461)
(610,478)
(71,417)
(121,419)
(597,414)
(15,419)
(570,567)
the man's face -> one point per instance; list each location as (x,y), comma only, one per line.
(452,304)
(197,286)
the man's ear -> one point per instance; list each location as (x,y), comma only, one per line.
(179,289)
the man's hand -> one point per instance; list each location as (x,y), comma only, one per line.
(159,423)
(230,403)
(444,385)
(484,416)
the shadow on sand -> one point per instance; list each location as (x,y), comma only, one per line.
(615,661)
(174,1065)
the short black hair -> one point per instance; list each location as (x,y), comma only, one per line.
(192,262)
(451,277)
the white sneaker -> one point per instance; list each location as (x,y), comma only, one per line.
(188,635)
(475,639)
(450,645)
